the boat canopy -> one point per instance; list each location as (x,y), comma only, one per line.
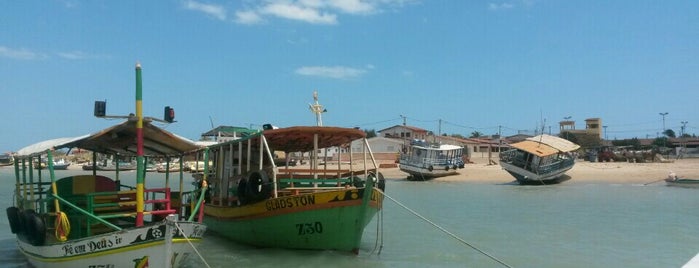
(535,148)
(300,139)
(545,145)
(560,144)
(119,139)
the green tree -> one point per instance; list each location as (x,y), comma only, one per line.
(476,134)
(457,136)
(669,132)
(370,133)
(660,142)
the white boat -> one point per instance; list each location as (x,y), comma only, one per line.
(539,160)
(95,221)
(424,161)
(61,164)
(6,159)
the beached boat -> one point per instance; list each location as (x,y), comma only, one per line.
(689,183)
(6,159)
(424,161)
(673,180)
(303,207)
(61,164)
(95,221)
(539,160)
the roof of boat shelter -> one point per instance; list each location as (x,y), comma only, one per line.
(119,139)
(545,145)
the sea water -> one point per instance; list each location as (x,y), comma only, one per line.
(455,224)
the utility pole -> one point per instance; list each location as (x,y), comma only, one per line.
(404,117)
(684,125)
(663,115)
(605,132)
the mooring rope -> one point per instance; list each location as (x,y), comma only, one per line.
(378,243)
(448,233)
(192,245)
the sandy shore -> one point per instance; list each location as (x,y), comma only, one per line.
(582,172)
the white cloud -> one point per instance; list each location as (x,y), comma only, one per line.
(79,55)
(20,54)
(314,11)
(299,12)
(494,6)
(354,6)
(247,17)
(215,11)
(336,72)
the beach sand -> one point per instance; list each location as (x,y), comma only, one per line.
(582,172)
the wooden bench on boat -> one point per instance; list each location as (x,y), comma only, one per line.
(99,195)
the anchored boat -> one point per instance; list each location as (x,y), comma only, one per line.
(95,221)
(326,207)
(539,160)
(424,161)
(6,159)
(673,180)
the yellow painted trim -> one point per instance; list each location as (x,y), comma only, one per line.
(139,198)
(107,252)
(139,112)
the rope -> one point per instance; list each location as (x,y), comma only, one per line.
(449,233)
(192,245)
(378,243)
(62,226)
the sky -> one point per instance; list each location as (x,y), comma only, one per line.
(451,67)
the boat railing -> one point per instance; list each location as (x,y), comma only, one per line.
(298,180)
(508,156)
(555,166)
(440,161)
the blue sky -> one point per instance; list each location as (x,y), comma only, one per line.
(474,65)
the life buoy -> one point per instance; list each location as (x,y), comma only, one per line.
(13,218)
(357,182)
(430,168)
(35,228)
(258,187)
(379,180)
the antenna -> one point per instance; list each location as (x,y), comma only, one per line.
(212,122)
(317,109)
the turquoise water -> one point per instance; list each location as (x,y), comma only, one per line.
(566,225)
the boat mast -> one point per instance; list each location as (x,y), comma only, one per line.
(317,109)
(139,149)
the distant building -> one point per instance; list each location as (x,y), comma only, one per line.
(226,133)
(593,126)
(404,132)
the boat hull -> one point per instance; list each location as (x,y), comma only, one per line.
(687,183)
(526,177)
(420,172)
(332,220)
(134,247)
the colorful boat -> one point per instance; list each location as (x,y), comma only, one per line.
(424,161)
(539,160)
(95,221)
(302,207)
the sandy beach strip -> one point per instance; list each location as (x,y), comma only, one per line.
(582,172)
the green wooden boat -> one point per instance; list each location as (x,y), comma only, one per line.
(323,205)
